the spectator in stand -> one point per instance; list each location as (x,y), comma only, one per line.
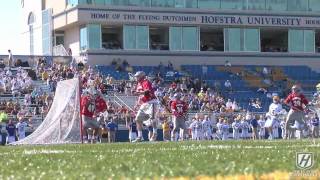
(10,58)
(227,85)
(227,64)
(265,71)
(229,104)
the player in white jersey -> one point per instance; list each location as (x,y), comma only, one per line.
(225,130)
(244,129)
(198,129)
(283,128)
(206,125)
(21,128)
(236,125)
(219,128)
(193,128)
(262,129)
(275,110)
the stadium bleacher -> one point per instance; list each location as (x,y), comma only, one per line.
(245,80)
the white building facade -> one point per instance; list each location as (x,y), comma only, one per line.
(148,31)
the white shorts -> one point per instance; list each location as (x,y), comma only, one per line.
(269,123)
(22,136)
(147,111)
(11,139)
(132,136)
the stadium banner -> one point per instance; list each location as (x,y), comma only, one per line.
(123,17)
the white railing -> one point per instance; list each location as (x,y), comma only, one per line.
(59,50)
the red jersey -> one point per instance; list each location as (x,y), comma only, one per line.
(179,108)
(296,101)
(142,86)
(89,106)
(101,104)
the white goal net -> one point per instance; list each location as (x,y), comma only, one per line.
(62,123)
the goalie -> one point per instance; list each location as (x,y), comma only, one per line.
(92,103)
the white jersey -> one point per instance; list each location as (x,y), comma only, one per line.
(193,130)
(21,127)
(219,129)
(245,129)
(206,126)
(262,129)
(225,131)
(236,129)
(198,130)
(275,110)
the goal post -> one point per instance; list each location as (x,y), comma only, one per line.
(63,122)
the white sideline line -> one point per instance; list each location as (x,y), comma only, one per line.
(45,151)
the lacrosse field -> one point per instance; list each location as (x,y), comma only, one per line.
(161,160)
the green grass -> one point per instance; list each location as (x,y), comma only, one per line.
(147,160)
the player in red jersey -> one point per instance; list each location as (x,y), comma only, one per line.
(147,103)
(179,109)
(298,103)
(91,104)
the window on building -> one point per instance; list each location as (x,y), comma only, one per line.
(90,37)
(31,21)
(211,39)
(233,4)
(72,3)
(31,18)
(83,39)
(47,39)
(301,40)
(317,41)
(94,36)
(237,39)
(144,3)
(163,3)
(256,5)
(184,38)
(85,1)
(31,40)
(159,38)
(276,5)
(314,5)
(251,40)
(209,4)
(298,5)
(186,3)
(99,2)
(112,37)
(274,40)
(59,39)
(136,37)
